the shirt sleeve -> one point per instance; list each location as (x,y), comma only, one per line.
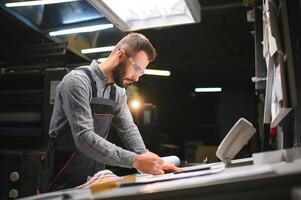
(126,128)
(76,94)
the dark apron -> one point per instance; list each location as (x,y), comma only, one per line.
(64,166)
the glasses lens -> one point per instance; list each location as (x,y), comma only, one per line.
(136,67)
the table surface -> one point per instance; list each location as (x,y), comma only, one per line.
(242,176)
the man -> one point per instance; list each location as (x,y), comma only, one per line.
(88,100)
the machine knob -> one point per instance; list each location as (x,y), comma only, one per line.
(14,176)
(13,193)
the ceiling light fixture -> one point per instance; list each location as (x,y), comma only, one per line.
(130,15)
(211,89)
(81,29)
(157,72)
(36,3)
(154,72)
(98,49)
(101,59)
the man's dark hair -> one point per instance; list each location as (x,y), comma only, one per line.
(135,42)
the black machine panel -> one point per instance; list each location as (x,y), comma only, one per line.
(18,177)
(26,103)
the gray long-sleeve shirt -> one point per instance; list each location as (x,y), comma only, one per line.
(72,117)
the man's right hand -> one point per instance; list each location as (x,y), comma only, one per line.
(149,163)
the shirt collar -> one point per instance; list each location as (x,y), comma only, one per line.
(98,70)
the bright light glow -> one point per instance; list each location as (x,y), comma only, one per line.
(99,49)
(36,3)
(135,104)
(81,29)
(213,89)
(157,72)
(137,14)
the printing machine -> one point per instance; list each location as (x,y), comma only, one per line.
(26,103)
(264,176)
(244,180)
(268,175)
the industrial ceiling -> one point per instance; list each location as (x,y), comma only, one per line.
(219,48)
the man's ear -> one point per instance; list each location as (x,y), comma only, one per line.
(119,55)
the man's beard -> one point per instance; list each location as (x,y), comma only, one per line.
(119,74)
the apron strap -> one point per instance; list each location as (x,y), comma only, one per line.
(113,92)
(93,82)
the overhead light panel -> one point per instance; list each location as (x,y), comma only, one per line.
(210,89)
(130,15)
(154,72)
(101,59)
(98,49)
(81,29)
(36,3)
(157,72)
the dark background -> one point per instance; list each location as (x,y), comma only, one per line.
(217,52)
